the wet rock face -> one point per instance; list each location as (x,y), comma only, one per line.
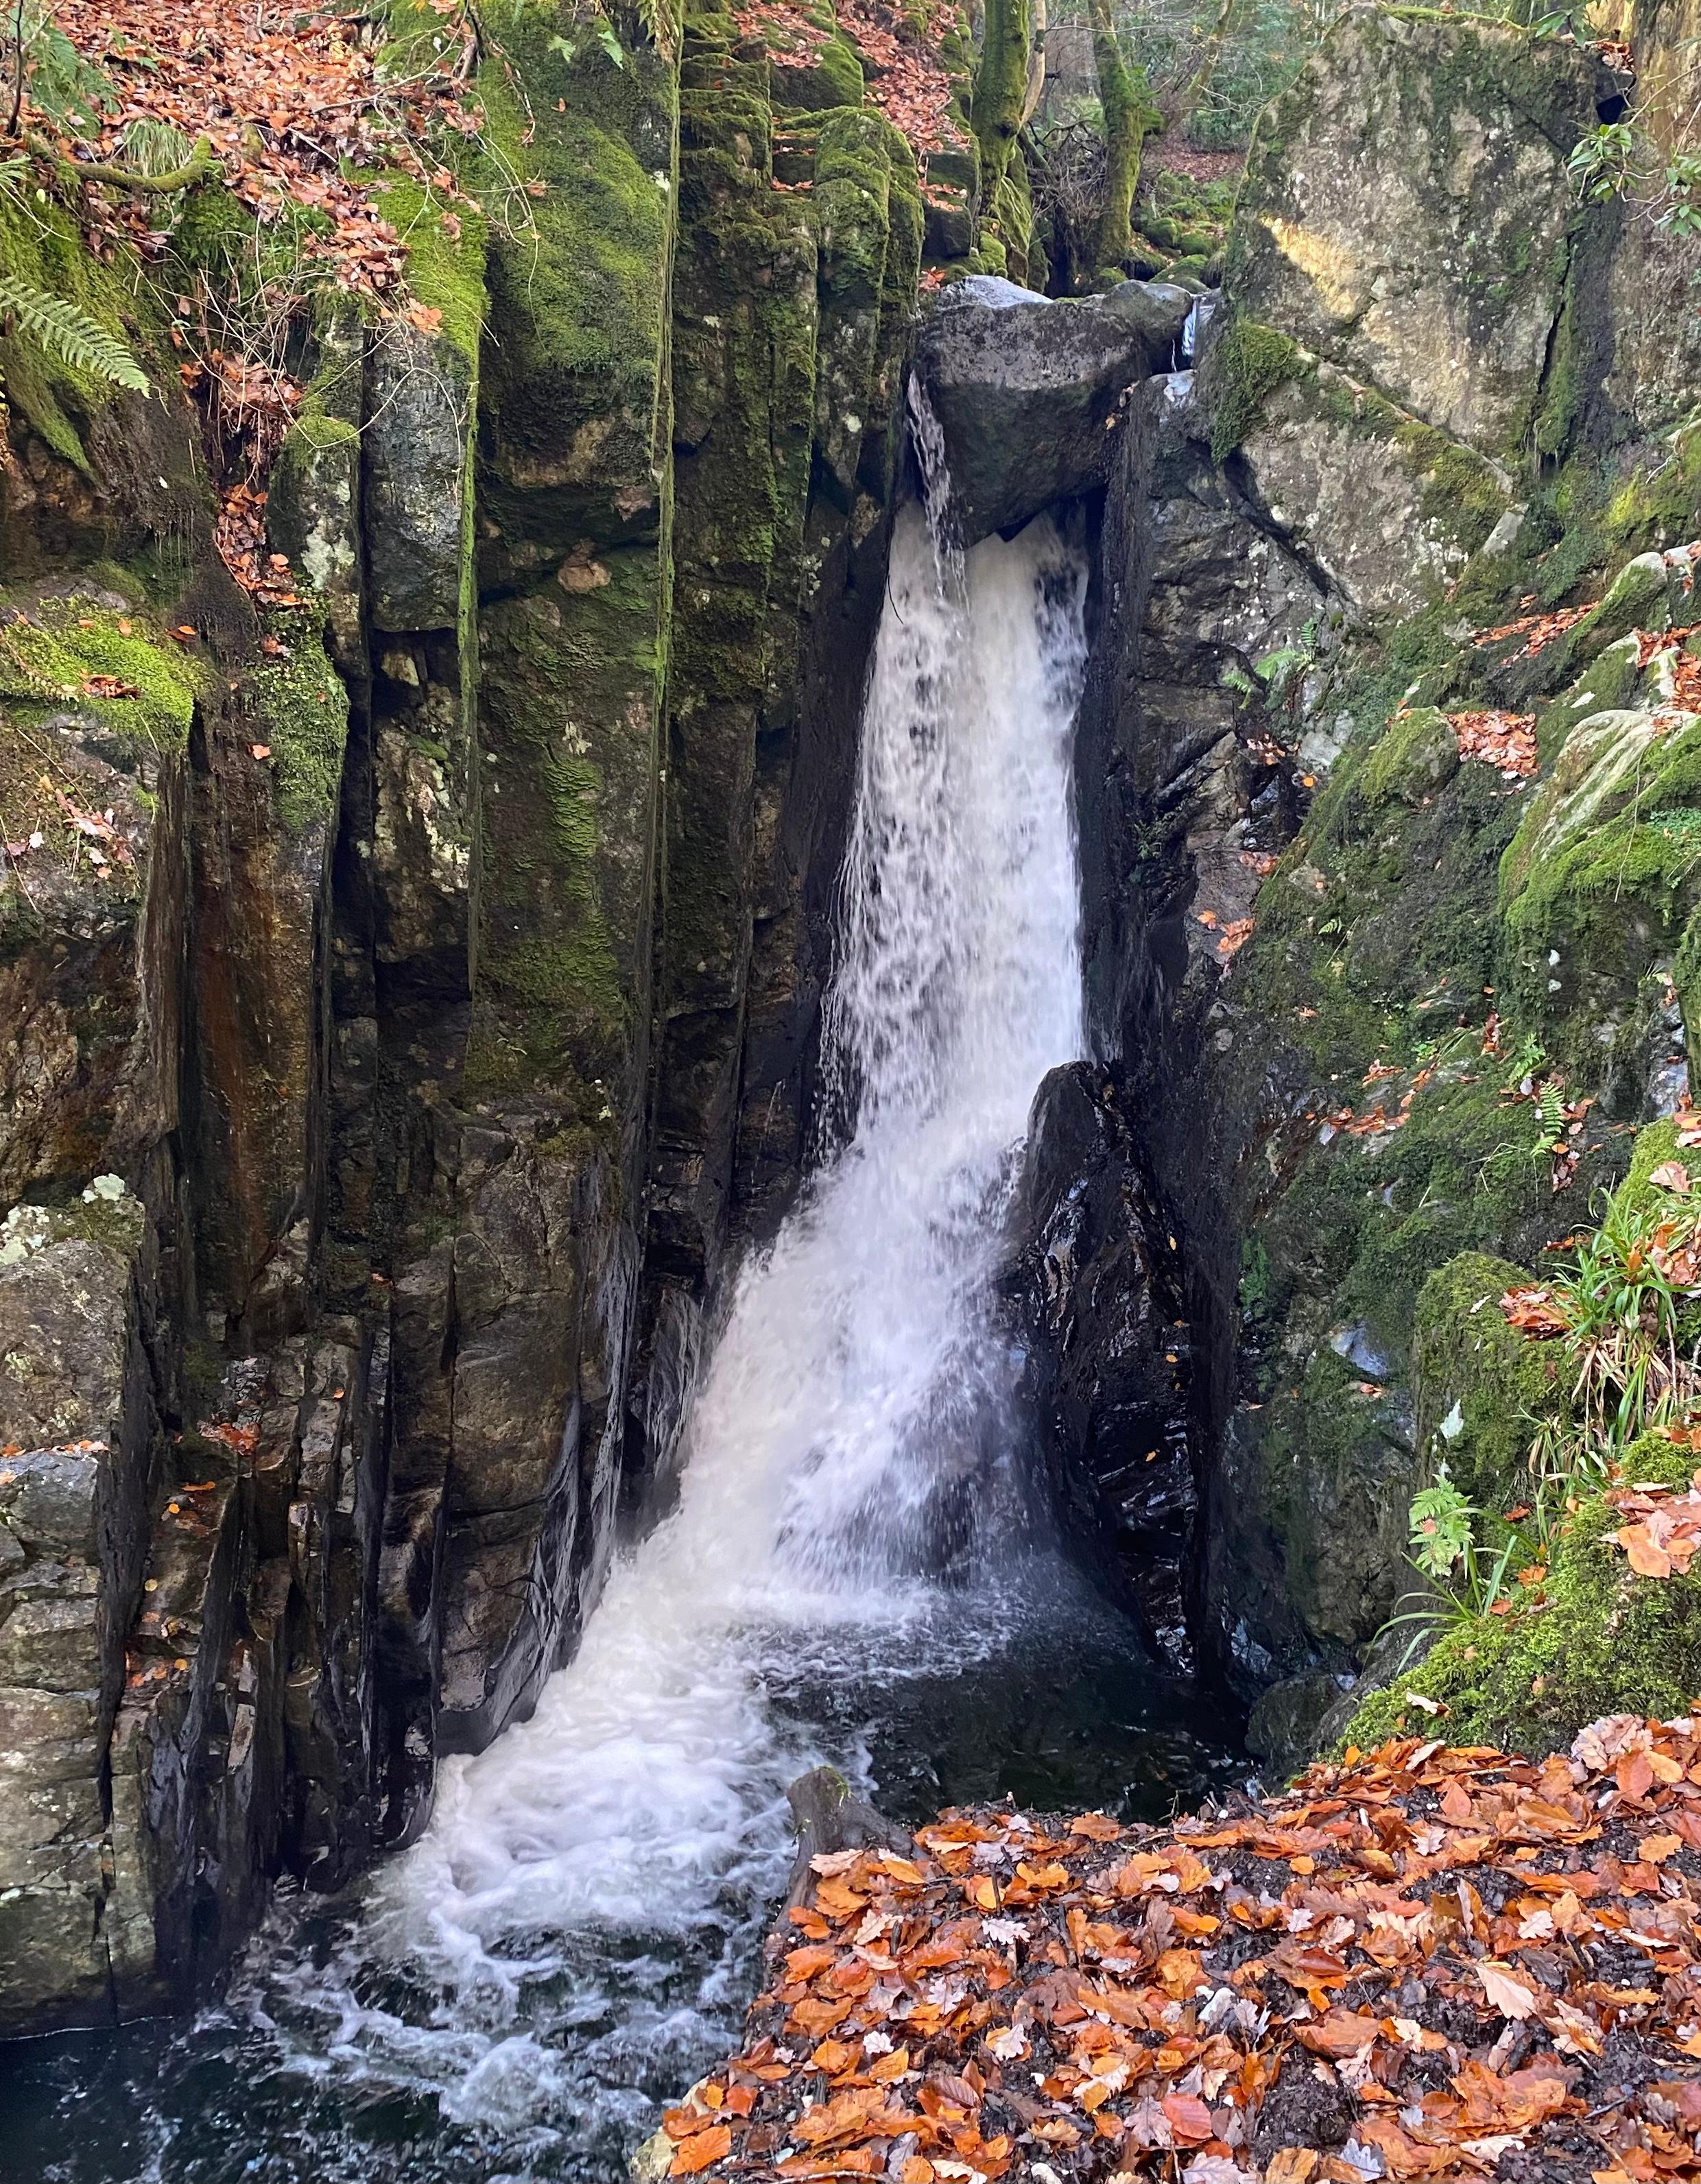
(441,1005)
(1295,893)
(76,1418)
(789,335)
(1388,516)
(1179,779)
(1029,390)
(1093,1285)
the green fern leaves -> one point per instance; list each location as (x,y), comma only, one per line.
(70,334)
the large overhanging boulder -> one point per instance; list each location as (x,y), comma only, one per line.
(1027,388)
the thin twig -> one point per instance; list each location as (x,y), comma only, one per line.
(16,114)
(17,869)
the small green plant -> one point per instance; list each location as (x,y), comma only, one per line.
(1466,1579)
(69,334)
(1681,214)
(1525,1064)
(1623,1303)
(1503,1166)
(1282,673)
(1622,1306)
(1566,1465)
(1603,164)
(1441,1521)
(1618,1310)
(156,147)
(1255,1276)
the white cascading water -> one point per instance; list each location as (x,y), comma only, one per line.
(845,1450)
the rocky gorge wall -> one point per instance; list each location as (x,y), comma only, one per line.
(411,957)
(1337,959)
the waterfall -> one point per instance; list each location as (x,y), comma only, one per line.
(848,1472)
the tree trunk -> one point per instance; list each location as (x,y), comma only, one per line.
(1124,113)
(1036,63)
(1000,88)
(1199,82)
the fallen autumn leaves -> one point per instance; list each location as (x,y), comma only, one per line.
(1429,1962)
(285,97)
(1505,740)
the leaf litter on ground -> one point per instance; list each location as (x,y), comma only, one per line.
(298,114)
(1505,740)
(285,97)
(1424,1962)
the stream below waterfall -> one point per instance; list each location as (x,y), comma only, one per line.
(858,1568)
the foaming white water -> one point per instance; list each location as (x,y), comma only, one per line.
(846,1449)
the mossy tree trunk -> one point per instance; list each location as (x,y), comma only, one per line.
(1000,87)
(1124,113)
(1035,89)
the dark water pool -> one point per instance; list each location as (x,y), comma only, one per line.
(323,2062)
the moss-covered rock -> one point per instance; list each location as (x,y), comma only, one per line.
(1392,508)
(1405,213)
(1592,1639)
(1599,886)
(106,660)
(571,396)
(574,420)
(40,247)
(298,704)
(91,885)
(1417,756)
(868,204)
(422,397)
(1482,1388)
(1247,362)
(313,495)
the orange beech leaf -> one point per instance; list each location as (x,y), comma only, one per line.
(707,2147)
(1535,1311)
(1097,1827)
(1235,936)
(1507,1994)
(1293,2164)
(1340,2032)
(1188,2118)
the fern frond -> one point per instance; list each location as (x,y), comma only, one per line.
(70,334)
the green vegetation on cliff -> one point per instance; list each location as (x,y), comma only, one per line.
(113,667)
(1598,1639)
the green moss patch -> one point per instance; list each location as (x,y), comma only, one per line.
(1248,362)
(1598,1640)
(117,668)
(445,272)
(40,247)
(1482,1388)
(298,705)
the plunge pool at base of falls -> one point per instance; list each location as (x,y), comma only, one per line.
(302,2074)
